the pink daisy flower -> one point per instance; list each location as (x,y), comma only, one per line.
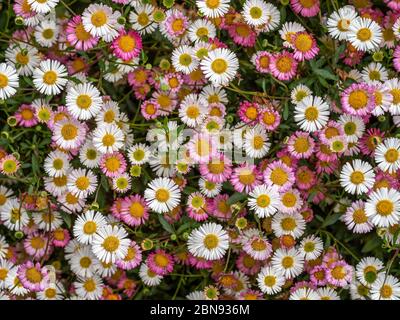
(132,259)
(262,60)
(305,178)
(351,56)
(127,45)
(245,177)
(128,285)
(112,164)
(174,81)
(116,208)
(304,45)
(250,294)
(247,264)
(150,109)
(26,116)
(176,23)
(258,248)
(160,262)
(394,5)
(220,208)
(35,245)
(61,237)
(279,175)
(358,99)
(78,37)
(197,206)
(368,142)
(200,263)
(23,9)
(396,58)
(217,170)
(332,129)
(306,8)
(9,165)
(32,276)
(283,65)
(248,112)
(138,77)
(134,211)
(324,153)
(339,274)
(202,147)
(301,145)
(269,118)
(242,34)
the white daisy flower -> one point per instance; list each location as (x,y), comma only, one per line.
(201,30)
(386,287)
(50,77)
(47,221)
(393,86)
(208,188)
(121,183)
(299,92)
(8,81)
(162,195)
(87,224)
(214,94)
(13,283)
(289,29)
(327,293)
(46,33)
(311,113)
(255,12)
(357,177)
(210,241)
(353,127)
(5,195)
(213,8)
(289,262)
(68,134)
(368,270)
(220,66)
(365,34)
(83,262)
(3,247)
(110,243)
(52,292)
(270,281)
(83,101)
(356,219)
(108,138)
(374,72)
(42,6)
(383,207)
(109,113)
(13,215)
(149,277)
(264,200)
(273,18)
(256,144)
(81,183)
(311,247)
(288,224)
(184,59)
(304,294)
(56,164)
(89,288)
(100,20)
(193,110)
(387,155)
(139,154)
(24,56)
(340,21)
(142,18)
(89,155)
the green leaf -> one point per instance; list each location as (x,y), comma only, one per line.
(286,111)
(329,220)
(167,227)
(35,165)
(104,183)
(236,197)
(324,73)
(67,218)
(371,245)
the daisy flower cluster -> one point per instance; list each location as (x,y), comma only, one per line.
(201,150)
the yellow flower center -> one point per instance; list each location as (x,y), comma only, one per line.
(81,33)
(111,243)
(211,241)
(357,177)
(358,99)
(143,19)
(258,245)
(69,131)
(89,285)
(50,293)
(396,95)
(359,216)
(89,227)
(161,260)
(288,224)
(386,291)
(162,195)
(91,154)
(343,25)
(37,243)
(392,155)
(219,66)
(303,42)
(112,164)
(311,113)
(289,200)
(22,59)
(3,81)
(99,19)
(177,25)
(269,118)
(48,33)
(287,262)
(309,247)
(127,43)
(82,183)
(279,176)
(192,112)
(307,3)
(350,128)
(284,64)
(212,4)
(301,145)
(258,142)
(136,210)
(255,12)
(246,177)
(338,272)
(108,140)
(384,207)
(202,147)
(202,32)
(263,201)
(60,181)
(85,262)
(270,281)
(33,275)
(364,34)
(84,101)
(50,77)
